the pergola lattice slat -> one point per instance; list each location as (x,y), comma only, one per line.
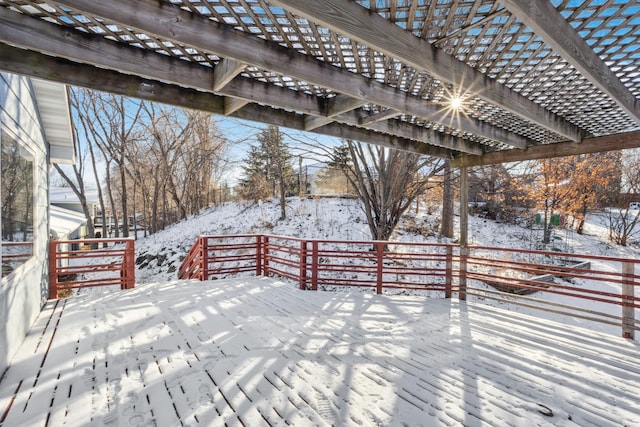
(381,72)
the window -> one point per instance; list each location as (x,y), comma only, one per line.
(16,192)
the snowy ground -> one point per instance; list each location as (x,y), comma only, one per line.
(160,254)
(255,351)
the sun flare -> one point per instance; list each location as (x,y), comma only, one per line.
(455,103)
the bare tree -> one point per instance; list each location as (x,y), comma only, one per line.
(175,165)
(622,224)
(623,221)
(84,137)
(75,181)
(165,160)
(386,181)
(115,124)
(203,162)
(278,163)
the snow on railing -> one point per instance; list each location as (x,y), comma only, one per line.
(12,254)
(90,262)
(582,286)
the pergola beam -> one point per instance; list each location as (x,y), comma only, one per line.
(225,71)
(548,24)
(296,121)
(352,20)
(170,22)
(402,129)
(59,70)
(337,105)
(231,105)
(600,144)
(35,64)
(103,53)
(382,115)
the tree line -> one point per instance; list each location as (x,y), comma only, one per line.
(153,163)
(161,164)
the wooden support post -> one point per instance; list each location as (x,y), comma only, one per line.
(380,265)
(628,310)
(462,292)
(314,265)
(53,269)
(303,264)
(464,227)
(124,272)
(259,255)
(448,280)
(265,256)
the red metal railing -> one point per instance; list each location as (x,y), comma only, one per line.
(316,263)
(588,287)
(14,254)
(381,265)
(192,267)
(90,262)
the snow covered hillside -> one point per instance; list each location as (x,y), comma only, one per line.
(159,255)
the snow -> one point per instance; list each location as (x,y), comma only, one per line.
(64,221)
(258,351)
(343,219)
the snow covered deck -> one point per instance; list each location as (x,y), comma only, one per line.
(255,351)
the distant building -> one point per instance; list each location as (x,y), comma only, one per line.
(64,199)
(324,181)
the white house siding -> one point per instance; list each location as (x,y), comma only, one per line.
(23,293)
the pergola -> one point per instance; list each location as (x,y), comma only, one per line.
(474,81)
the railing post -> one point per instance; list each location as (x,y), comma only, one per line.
(628,311)
(265,256)
(124,280)
(314,265)
(464,253)
(53,269)
(464,231)
(204,245)
(259,255)
(303,264)
(124,270)
(131,264)
(380,264)
(448,279)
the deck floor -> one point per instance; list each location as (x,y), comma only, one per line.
(257,352)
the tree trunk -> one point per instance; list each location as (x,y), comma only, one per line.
(103,212)
(283,200)
(125,210)
(546,236)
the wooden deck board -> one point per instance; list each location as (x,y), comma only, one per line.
(259,352)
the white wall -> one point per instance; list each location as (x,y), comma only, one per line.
(24,292)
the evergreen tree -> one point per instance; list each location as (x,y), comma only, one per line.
(254,186)
(268,169)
